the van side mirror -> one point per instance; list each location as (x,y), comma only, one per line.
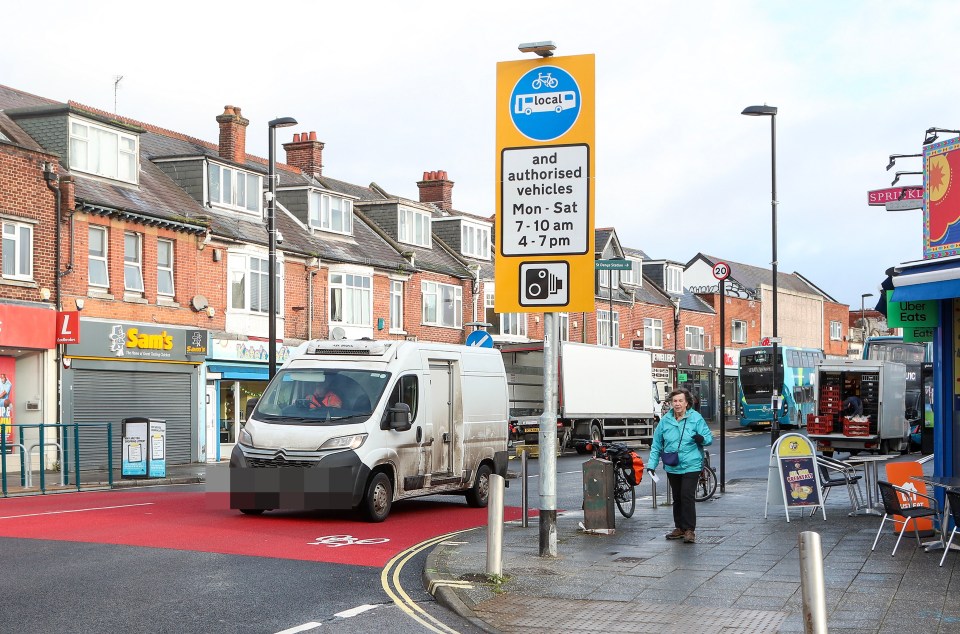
(251,403)
(399,417)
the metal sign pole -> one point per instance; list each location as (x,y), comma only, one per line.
(548,440)
(723,389)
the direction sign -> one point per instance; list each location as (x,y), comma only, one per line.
(545,196)
(721,270)
(904,205)
(613,265)
(479,339)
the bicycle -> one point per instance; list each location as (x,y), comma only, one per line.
(621,456)
(707,482)
(545,79)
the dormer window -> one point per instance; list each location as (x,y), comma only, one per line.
(674,279)
(634,275)
(234,189)
(475,241)
(102,151)
(331,213)
(413,227)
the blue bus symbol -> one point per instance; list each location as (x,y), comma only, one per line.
(545,103)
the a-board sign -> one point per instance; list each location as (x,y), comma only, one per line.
(793,479)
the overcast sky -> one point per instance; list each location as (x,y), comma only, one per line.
(397,88)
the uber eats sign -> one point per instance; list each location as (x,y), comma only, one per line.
(918,319)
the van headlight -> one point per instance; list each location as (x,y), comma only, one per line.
(245,438)
(344,442)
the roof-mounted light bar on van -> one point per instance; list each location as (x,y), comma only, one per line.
(344,347)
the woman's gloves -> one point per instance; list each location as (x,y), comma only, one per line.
(697,438)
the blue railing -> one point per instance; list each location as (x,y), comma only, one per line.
(26,469)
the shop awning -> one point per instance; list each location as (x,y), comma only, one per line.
(240,371)
(928,279)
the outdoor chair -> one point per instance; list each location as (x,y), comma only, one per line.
(953,500)
(834,473)
(890,495)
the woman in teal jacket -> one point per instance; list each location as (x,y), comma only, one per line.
(683,431)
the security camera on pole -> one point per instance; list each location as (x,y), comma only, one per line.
(544,204)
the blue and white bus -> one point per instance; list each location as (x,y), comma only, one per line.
(795,370)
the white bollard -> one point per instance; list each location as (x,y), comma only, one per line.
(495,526)
(812,584)
(524,505)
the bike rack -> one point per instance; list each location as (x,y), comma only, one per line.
(26,469)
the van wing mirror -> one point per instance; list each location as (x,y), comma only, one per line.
(251,403)
(399,417)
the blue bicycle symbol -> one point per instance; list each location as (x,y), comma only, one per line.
(544,80)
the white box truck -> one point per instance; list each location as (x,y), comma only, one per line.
(881,388)
(360,424)
(605,393)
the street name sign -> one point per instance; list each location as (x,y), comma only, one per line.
(613,265)
(545,195)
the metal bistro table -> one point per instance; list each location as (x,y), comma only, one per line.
(871,475)
(943,482)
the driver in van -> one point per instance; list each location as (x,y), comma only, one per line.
(323,396)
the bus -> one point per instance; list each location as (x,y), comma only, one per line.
(795,383)
(918,357)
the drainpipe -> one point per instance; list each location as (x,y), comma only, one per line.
(53,184)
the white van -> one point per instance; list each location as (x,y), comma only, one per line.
(359,424)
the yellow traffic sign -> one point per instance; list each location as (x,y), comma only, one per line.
(545,193)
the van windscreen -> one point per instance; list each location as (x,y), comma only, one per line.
(321,396)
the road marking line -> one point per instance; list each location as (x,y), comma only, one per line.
(98,508)
(301,628)
(747,449)
(400,597)
(360,609)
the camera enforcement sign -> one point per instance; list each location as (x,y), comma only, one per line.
(545,168)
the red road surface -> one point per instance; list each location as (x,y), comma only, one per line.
(203,522)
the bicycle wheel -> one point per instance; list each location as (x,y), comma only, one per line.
(706,485)
(624,495)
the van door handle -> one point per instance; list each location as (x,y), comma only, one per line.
(446,437)
(419,434)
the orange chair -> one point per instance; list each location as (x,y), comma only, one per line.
(901,474)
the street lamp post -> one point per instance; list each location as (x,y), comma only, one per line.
(771,111)
(863,321)
(282,122)
(676,358)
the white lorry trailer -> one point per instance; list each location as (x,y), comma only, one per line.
(605,393)
(881,388)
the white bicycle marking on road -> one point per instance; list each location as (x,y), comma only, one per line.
(336,541)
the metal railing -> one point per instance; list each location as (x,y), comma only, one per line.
(26,469)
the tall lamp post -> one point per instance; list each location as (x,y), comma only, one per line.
(282,122)
(676,358)
(863,321)
(771,111)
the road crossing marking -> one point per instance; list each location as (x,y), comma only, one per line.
(360,609)
(97,508)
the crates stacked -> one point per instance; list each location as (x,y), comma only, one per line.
(829,408)
(855,428)
(818,425)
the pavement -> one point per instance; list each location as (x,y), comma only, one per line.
(742,575)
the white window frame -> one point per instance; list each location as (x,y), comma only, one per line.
(673,279)
(436,290)
(413,227)
(836,331)
(247,198)
(634,275)
(99,258)
(356,298)
(91,153)
(604,280)
(396,306)
(693,338)
(475,241)
(564,326)
(325,209)
(738,331)
(513,324)
(249,270)
(603,328)
(19,245)
(166,271)
(652,333)
(133,262)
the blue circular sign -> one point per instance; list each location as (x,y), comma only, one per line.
(479,339)
(545,103)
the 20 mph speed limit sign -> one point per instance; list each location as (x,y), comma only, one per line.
(721,270)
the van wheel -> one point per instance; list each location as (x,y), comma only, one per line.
(596,435)
(378,498)
(479,495)
(252,511)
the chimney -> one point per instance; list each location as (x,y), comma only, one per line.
(436,188)
(233,135)
(306,153)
